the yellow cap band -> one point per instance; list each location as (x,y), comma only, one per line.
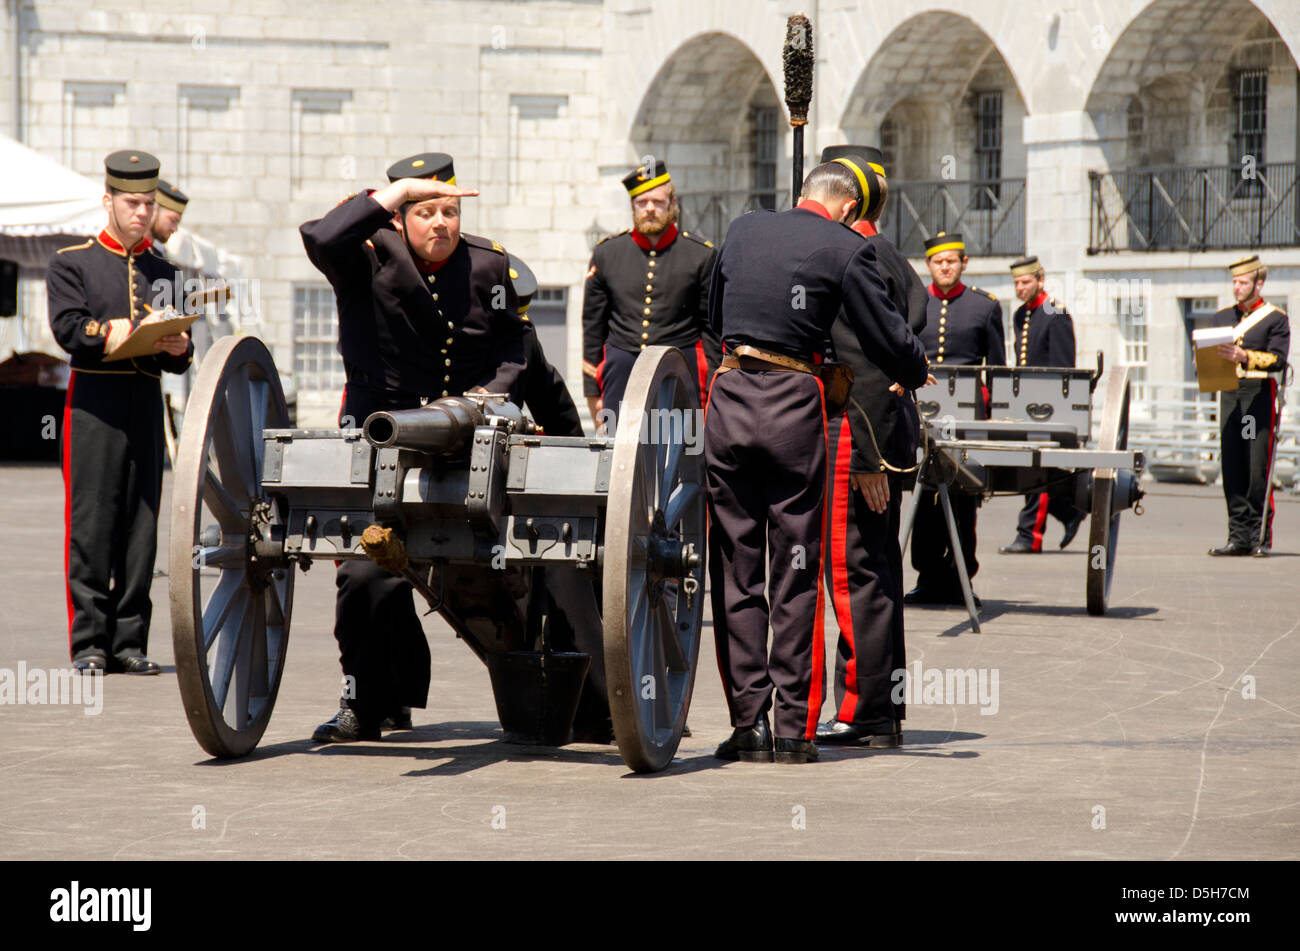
(1248,266)
(950,246)
(134,185)
(878,169)
(862,183)
(166,201)
(647,185)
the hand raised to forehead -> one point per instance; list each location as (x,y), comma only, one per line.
(424,189)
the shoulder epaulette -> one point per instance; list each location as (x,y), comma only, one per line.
(348,199)
(696,238)
(77,247)
(487,244)
(619,235)
(980,290)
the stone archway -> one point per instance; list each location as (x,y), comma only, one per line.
(940,99)
(714,116)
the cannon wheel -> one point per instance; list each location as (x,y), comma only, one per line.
(230,616)
(656,495)
(1103,527)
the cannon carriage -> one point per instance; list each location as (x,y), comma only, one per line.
(1024,429)
(512,536)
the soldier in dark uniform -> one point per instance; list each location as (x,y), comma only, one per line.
(964,329)
(647,286)
(425,311)
(779,284)
(112,426)
(1248,414)
(864,564)
(1044,337)
(544,392)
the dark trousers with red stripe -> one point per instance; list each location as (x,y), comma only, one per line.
(381,642)
(1246,449)
(616,368)
(112,471)
(864,574)
(765,462)
(1057,501)
(932,554)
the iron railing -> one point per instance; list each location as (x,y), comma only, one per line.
(711,213)
(990,215)
(1194,208)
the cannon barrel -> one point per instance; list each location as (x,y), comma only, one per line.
(443,427)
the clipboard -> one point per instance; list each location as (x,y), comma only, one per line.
(141,340)
(1213,372)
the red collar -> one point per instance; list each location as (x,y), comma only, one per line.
(865,228)
(1037,302)
(111,244)
(431,267)
(665,239)
(816,207)
(953,292)
(1247,310)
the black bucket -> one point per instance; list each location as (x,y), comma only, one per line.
(537,694)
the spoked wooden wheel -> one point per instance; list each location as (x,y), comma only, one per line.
(230,604)
(654,559)
(1103,527)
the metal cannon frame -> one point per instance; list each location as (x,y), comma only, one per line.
(506,532)
(1035,433)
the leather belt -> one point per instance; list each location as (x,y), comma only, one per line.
(746,357)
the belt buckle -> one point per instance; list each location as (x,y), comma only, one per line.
(424,401)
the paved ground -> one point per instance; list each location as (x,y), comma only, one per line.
(1136,722)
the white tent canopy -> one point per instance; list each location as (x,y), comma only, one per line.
(39,196)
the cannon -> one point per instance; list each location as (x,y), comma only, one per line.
(1022,429)
(512,536)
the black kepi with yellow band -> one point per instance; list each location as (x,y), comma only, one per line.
(171,197)
(112,425)
(862,161)
(1248,414)
(647,286)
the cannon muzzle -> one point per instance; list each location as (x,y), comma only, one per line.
(443,427)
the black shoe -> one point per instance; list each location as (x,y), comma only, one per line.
(92,663)
(599,731)
(344,728)
(137,665)
(878,733)
(1229,551)
(398,721)
(752,744)
(1018,547)
(1261,551)
(686,730)
(1071,529)
(794,751)
(919,595)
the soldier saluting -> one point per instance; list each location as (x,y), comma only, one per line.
(112,425)
(1260,349)
(779,283)
(647,286)
(963,328)
(424,311)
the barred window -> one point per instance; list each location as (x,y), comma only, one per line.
(316,361)
(889,144)
(988,148)
(1251,89)
(766,122)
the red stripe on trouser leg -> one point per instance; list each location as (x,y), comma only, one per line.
(1268,468)
(702,371)
(841,501)
(67,501)
(343,402)
(1040,521)
(817,689)
(600,373)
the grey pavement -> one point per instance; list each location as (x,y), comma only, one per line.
(1134,736)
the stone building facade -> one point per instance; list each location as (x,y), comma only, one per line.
(1135,146)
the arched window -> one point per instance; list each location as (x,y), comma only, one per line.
(1137,133)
